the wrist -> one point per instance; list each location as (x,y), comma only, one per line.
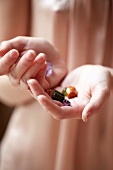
(111,76)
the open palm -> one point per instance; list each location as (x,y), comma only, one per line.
(93,86)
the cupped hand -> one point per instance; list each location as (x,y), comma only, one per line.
(93,83)
(25,57)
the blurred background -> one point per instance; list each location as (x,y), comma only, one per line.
(5,113)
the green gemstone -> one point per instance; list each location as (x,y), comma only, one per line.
(57,96)
(64,91)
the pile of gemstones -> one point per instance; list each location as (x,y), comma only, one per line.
(67,92)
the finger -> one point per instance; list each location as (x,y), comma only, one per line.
(50,107)
(43,98)
(56,109)
(7,61)
(22,44)
(36,89)
(59,111)
(40,77)
(38,64)
(22,65)
(14,43)
(41,74)
(95,104)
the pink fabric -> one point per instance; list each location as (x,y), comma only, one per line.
(82,31)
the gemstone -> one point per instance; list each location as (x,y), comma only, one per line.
(71,92)
(66,102)
(64,91)
(57,96)
(49,69)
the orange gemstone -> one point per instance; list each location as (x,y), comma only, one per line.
(71,92)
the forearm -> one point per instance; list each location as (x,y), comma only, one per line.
(14,17)
(12,96)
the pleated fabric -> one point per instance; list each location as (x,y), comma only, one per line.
(82,31)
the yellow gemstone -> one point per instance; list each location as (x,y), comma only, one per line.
(64,91)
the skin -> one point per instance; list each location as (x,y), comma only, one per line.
(13,23)
(17,58)
(93,83)
(25,159)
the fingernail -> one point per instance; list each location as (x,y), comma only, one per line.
(30,55)
(85,119)
(13,54)
(40,60)
(29,83)
(88,115)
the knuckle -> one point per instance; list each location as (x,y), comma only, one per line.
(18,38)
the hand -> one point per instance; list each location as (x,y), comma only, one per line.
(93,84)
(22,59)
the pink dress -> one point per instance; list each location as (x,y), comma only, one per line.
(82,31)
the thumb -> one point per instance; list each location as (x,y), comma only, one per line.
(98,98)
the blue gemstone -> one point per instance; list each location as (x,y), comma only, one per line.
(49,69)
